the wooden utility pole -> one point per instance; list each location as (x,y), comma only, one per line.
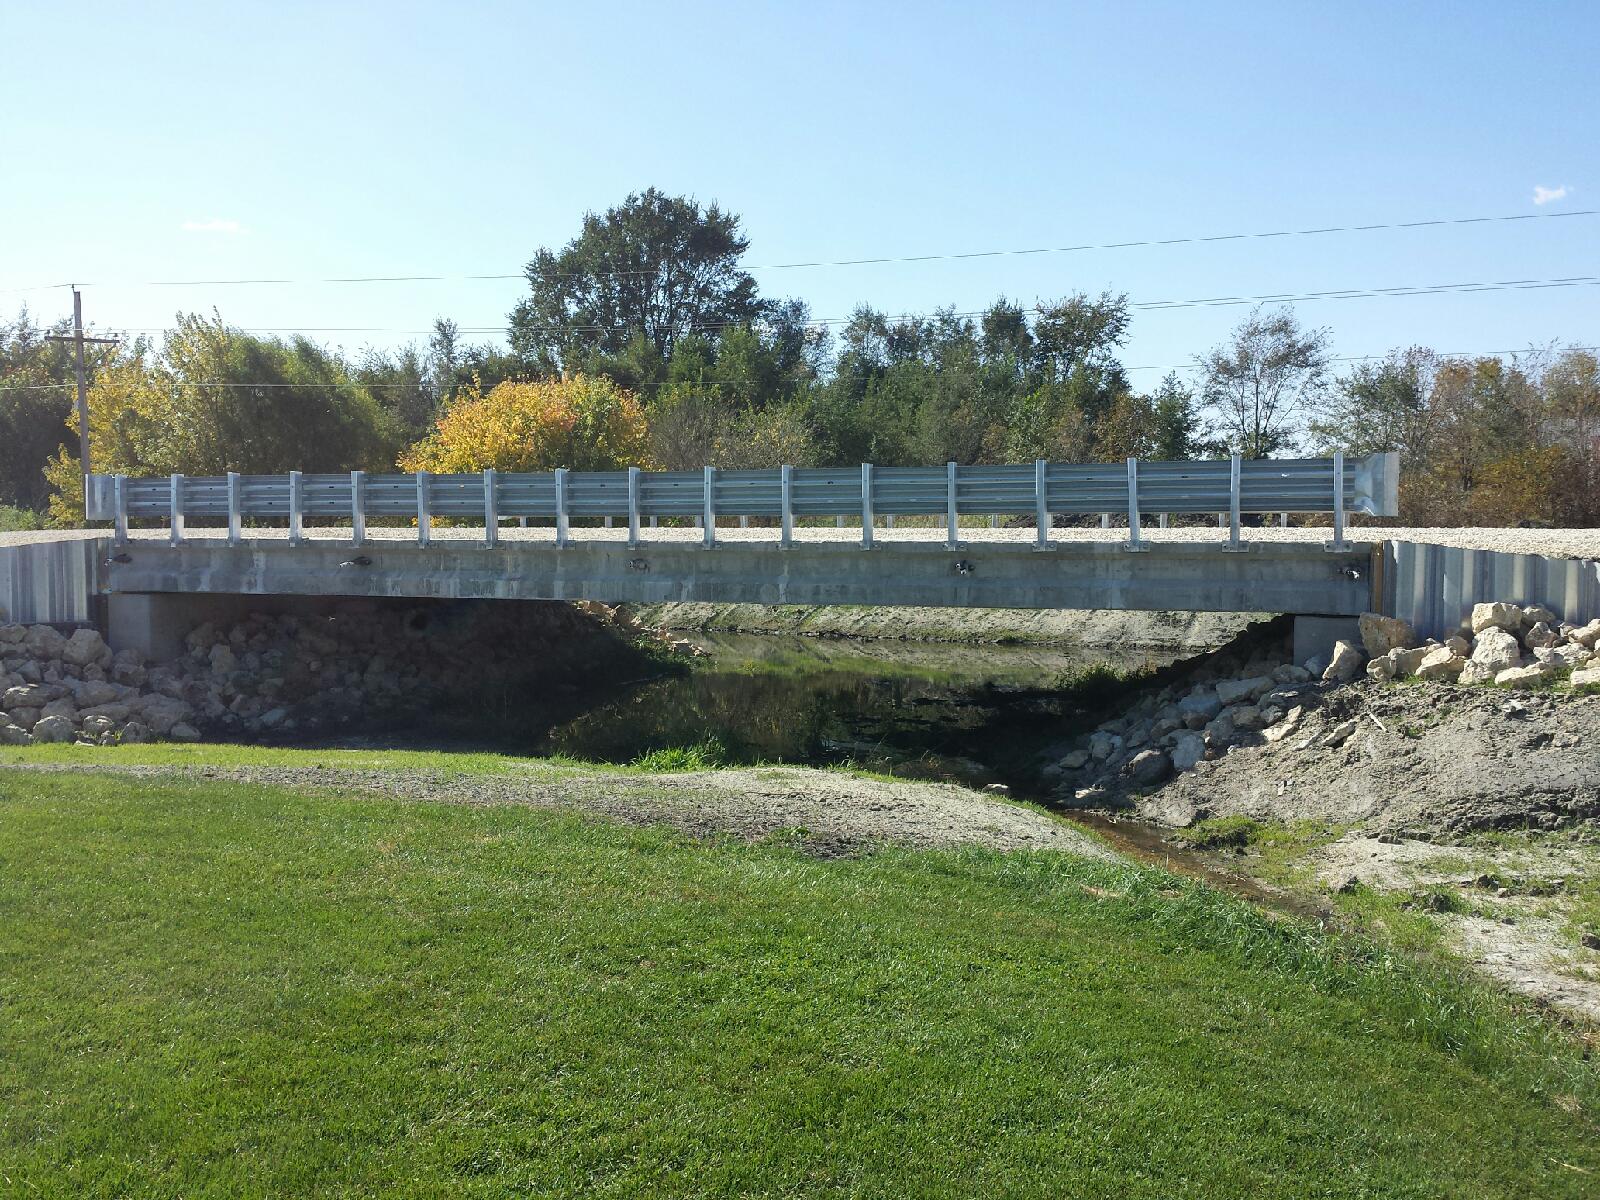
(78,340)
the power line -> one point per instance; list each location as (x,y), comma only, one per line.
(1364,293)
(861,262)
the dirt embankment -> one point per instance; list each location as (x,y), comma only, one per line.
(1177,631)
(1420,759)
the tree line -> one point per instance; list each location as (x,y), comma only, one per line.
(644,342)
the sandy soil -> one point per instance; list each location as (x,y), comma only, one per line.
(829,813)
(1517,894)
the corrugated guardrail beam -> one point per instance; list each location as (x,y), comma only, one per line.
(1041,489)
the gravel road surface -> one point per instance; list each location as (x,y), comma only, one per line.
(1556,543)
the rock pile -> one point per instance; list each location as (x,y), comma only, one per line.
(270,675)
(1510,645)
(1258,697)
(55,688)
(1263,698)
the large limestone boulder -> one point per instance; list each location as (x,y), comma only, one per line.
(1496,616)
(43,642)
(1103,745)
(1408,660)
(62,707)
(1443,663)
(1200,705)
(1588,636)
(1536,614)
(1188,748)
(1346,663)
(99,728)
(1231,691)
(1539,636)
(1588,677)
(1496,650)
(10,635)
(1522,677)
(29,695)
(1381,634)
(223,660)
(84,647)
(1148,768)
(54,729)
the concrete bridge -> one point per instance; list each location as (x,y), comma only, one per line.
(209,547)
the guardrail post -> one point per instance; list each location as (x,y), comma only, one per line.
(1041,505)
(491,508)
(1235,477)
(358,508)
(176,502)
(951,525)
(1105,520)
(296,499)
(710,499)
(119,488)
(1133,542)
(1161,520)
(633,506)
(424,510)
(786,503)
(866,506)
(561,507)
(1283,520)
(233,508)
(1338,544)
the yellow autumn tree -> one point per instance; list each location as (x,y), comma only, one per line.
(585,423)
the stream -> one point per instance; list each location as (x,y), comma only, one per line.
(918,710)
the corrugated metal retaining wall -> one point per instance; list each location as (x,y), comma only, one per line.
(1435,587)
(50,583)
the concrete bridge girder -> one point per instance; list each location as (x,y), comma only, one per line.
(1300,578)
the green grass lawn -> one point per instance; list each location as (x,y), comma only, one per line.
(216,989)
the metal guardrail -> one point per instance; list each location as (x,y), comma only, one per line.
(1228,488)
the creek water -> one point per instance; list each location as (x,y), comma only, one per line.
(915,709)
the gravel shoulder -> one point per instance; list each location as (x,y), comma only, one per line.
(1556,543)
(830,814)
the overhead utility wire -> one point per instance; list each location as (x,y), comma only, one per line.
(860,262)
(710,383)
(1433,289)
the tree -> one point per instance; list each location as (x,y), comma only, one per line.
(1382,406)
(583,423)
(213,399)
(1173,421)
(1257,384)
(35,398)
(656,266)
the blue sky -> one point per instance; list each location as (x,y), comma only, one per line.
(301,141)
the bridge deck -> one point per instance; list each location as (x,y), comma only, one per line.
(1554,543)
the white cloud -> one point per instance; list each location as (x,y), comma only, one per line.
(228,225)
(1544,195)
